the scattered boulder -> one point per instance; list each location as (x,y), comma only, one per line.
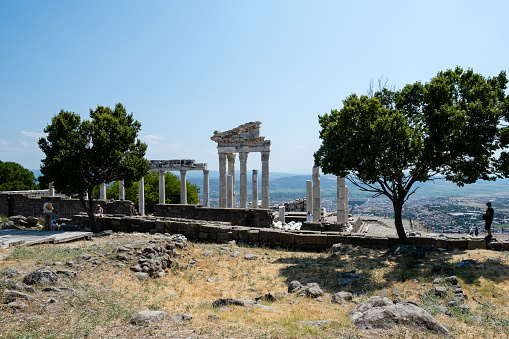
(234,302)
(341,297)
(10,296)
(380,312)
(147,317)
(294,286)
(41,276)
(181,318)
(10,272)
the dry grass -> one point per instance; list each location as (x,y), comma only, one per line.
(108,295)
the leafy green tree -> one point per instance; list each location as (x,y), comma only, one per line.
(83,154)
(14,177)
(151,180)
(387,142)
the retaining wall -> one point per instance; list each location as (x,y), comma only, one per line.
(314,241)
(29,206)
(257,217)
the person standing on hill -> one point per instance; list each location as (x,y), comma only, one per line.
(48,214)
(488,217)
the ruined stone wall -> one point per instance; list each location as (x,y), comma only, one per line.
(315,241)
(28,206)
(262,218)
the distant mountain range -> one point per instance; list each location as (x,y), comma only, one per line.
(293,186)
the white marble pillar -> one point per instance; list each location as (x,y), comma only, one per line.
(229,194)
(342,201)
(265,180)
(121,190)
(51,189)
(243,179)
(231,171)
(102,191)
(206,202)
(183,187)
(309,196)
(162,188)
(222,180)
(254,190)
(282,214)
(316,194)
(141,196)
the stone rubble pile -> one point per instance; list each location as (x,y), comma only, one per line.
(291,226)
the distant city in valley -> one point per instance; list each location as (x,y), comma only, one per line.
(440,206)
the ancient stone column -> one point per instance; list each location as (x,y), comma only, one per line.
(342,204)
(243,179)
(183,187)
(309,196)
(51,190)
(141,196)
(229,189)
(222,180)
(206,201)
(282,214)
(265,180)
(254,189)
(102,191)
(162,188)
(231,171)
(121,190)
(316,194)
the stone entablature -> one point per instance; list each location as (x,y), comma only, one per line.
(176,165)
(243,140)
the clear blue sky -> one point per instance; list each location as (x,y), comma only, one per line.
(187,68)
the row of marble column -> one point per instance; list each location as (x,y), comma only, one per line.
(162,190)
(227,181)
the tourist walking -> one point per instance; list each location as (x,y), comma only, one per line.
(48,214)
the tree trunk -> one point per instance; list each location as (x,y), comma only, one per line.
(398,221)
(89,209)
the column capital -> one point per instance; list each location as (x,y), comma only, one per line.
(265,155)
(231,157)
(243,156)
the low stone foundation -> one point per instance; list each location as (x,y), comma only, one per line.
(314,241)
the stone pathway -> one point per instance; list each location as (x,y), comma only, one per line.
(13,237)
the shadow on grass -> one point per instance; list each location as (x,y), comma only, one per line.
(378,269)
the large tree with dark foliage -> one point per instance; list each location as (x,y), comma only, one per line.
(81,154)
(14,177)
(387,142)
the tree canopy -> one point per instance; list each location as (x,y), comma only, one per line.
(81,154)
(14,177)
(151,180)
(452,126)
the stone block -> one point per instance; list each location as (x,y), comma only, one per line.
(421,241)
(203,235)
(268,236)
(379,242)
(253,235)
(160,226)
(474,244)
(441,243)
(336,239)
(355,240)
(115,221)
(460,244)
(494,246)
(244,234)
(287,238)
(222,236)
(212,236)
(504,246)
(310,239)
(366,242)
